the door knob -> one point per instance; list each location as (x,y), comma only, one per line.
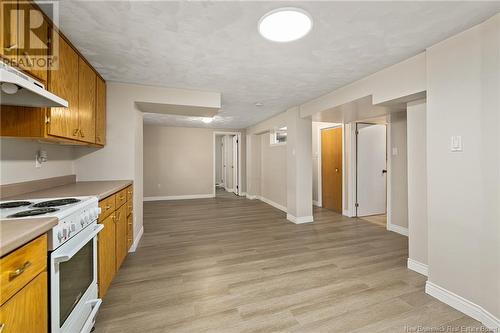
(336,170)
(384,171)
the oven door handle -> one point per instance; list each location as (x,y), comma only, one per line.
(65,256)
(89,323)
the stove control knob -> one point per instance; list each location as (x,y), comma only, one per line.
(82,222)
(73,227)
(87,219)
(65,233)
(59,235)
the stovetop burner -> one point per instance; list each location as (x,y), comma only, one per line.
(57,202)
(14,204)
(34,212)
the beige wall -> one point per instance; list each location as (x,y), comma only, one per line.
(463,81)
(18,161)
(273,171)
(177,161)
(417,181)
(398,171)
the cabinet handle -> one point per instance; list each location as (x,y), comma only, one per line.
(19,271)
(75,132)
(81,134)
(108,207)
(2,325)
(10,48)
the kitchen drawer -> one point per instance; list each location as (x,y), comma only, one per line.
(107,206)
(121,198)
(130,193)
(21,266)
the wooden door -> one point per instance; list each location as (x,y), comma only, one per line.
(86,101)
(100,122)
(121,235)
(27,311)
(106,250)
(34,34)
(9,30)
(331,169)
(64,82)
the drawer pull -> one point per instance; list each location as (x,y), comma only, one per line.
(108,207)
(19,271)
(2,325)
(121,198)
(75,131)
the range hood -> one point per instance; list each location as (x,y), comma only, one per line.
(21,90)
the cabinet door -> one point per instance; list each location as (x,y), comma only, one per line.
(121,235)
(63,82)
(130,231)
(86,101)
(9,30)
(27,311)
(100,123)
(34,34)
(106,249)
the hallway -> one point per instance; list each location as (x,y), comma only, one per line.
(230,264)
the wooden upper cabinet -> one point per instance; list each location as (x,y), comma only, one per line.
(86,102)
(63,82)
(10,28)
(100,123)
(33,36)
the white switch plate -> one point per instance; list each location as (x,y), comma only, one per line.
(394,151)
(456,143)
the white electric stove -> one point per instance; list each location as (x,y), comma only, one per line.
(72,258)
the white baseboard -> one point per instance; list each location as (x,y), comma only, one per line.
(251,196)
(418,267)
(316,203)
(136,240)
(299,220)
(243,194)
(463,305)
(398,229)
(272,203)
(179,197)
(229,189)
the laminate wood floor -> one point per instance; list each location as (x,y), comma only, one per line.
(231,264)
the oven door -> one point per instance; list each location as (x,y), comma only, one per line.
(73,283)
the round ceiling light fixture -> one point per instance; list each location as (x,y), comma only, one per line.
(285,24)
(207,120)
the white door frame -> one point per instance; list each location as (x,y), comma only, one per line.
(238,134)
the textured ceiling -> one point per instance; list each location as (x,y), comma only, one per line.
(215,46)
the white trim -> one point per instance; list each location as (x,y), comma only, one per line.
(179,197)
(317,203)
(251,196)
(351,174)
(272,203)
(397,229)
(388,182)
(299,220)
(418,267)
(137,239)
(463,305)
(229,189)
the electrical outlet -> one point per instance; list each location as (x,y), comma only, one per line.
(37,163)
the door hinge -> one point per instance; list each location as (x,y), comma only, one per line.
(47,119)
(357,132)
(356,204)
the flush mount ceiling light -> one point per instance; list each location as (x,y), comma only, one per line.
(285,24)
(207,120)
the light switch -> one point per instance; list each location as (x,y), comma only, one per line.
(394,151)
(456,143)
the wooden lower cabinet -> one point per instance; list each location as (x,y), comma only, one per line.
(27,311)
(115,239)
(121,235)
(23,289)
(107,254)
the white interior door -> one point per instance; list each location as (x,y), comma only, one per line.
(371,165)
(236,184)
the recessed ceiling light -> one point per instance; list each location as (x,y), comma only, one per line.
(207,120)
(259,104)
(285,24)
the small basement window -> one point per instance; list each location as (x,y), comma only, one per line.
(278,136)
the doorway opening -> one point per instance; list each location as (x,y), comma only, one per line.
(227,163)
